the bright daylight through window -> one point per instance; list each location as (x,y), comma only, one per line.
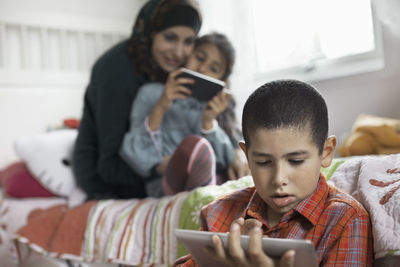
(305,36)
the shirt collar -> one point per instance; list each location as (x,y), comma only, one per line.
(310,207)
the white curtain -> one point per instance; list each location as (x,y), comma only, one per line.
(388,14)
(232,18)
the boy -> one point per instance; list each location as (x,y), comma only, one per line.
(285,130)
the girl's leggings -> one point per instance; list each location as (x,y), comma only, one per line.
(192,165)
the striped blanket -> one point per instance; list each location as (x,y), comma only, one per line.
(129,232)
(133,232)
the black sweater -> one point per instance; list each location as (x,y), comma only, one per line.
(98,168)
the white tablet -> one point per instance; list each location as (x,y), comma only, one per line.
(196,241)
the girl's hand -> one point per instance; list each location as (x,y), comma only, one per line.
(174,89)
(215,107)
(239,167)
(162,166)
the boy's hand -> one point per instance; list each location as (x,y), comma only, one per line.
(174,89)
(248,225)
(234,255)
(215,107)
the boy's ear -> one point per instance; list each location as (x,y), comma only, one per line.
(329,151)
(242,145)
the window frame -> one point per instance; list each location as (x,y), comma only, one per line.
(326,69)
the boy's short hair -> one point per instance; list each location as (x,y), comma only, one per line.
(286,104)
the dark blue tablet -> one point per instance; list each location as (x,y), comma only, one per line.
(205,87)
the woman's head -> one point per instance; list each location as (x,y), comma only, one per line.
(171,47)
(213,55)
(163,36)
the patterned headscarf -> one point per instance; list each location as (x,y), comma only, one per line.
(155,16)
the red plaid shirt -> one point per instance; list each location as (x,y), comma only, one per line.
(336,223)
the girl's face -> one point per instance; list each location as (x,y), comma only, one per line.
(208,60)
(172,47)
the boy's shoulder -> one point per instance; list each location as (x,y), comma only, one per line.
(237,197)
(339,201)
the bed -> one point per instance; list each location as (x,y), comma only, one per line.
(52,223)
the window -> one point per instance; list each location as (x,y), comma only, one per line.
(314,39)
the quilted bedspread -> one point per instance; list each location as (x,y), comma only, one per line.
(375,182)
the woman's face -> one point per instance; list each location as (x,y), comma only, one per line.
(172,47)
(207,59)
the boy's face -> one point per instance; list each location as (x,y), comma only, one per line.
(285,164)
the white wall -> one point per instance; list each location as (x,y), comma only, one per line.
(376,93)
(116,11)
(30,101)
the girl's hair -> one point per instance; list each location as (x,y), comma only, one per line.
(228,122)
(148,23)
(224,47)
(227,119)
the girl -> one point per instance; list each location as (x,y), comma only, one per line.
(174,141)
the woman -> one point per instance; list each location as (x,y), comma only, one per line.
(162,39)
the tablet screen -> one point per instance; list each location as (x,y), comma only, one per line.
(196,241)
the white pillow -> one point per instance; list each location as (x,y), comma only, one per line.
(48,158)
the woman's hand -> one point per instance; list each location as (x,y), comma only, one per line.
(215,107)
(239,167)
(235,255)
(173,89)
